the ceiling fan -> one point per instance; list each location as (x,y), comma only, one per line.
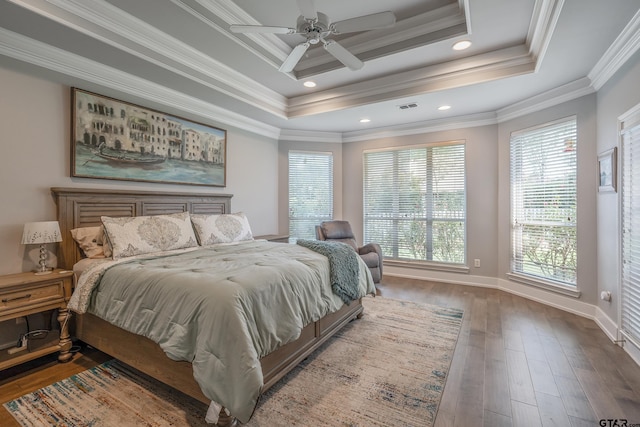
(316,27)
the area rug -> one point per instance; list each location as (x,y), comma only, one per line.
(387,369)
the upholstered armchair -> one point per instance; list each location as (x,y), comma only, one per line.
(340,231)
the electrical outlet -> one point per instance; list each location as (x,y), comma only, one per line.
(20,320)
(476,262)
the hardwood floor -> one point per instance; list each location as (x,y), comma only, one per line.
(517,363)
(521,363)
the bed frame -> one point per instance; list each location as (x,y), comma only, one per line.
(80,207)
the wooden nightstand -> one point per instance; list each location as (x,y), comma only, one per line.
(23,294)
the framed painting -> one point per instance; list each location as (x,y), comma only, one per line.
(112,139)
(607,174)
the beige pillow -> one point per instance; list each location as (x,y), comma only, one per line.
(92,241)
(224,228)
(140,235)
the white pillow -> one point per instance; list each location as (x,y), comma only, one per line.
(224,228)
(139,235)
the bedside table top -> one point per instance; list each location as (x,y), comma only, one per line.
(30,277)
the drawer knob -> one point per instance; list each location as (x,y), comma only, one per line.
(27,296)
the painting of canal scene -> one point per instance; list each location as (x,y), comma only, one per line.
(116,140)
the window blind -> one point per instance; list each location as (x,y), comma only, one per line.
(310,192)
(543,202)
(630,196)
(415,204)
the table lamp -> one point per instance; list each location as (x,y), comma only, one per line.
(41,233)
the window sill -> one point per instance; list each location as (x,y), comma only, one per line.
(453,268)
(545,284)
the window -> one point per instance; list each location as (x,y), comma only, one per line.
(543,202)
(415,204)
(310,192)
(630,196)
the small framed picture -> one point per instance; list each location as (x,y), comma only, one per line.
(607,175)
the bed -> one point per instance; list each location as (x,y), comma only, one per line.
(78,208)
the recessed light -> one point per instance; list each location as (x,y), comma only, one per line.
(365,120)
(462,45)
(444,107)
(309,84)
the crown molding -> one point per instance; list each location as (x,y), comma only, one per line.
(570,91)
(428,126)
(51,58)
(543,23)
(480,68)
(310,136)
(108,24)
(556,96)
(416,128)
(623,47)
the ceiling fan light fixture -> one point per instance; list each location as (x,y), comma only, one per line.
(315,27)
(461,45)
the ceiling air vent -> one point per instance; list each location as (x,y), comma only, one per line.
(407,106)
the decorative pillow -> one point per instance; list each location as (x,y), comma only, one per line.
(140,235)
(224,228)
(92,241)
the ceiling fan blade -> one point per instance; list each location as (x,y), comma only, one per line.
(261,29)
(293,58)
(343,55)
(307,9)
(365,22)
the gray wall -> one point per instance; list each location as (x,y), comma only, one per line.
(585,110)
(618,95)
(482,187)
(283,177)
(35,122)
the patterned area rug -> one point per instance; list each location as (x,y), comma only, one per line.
(386,369)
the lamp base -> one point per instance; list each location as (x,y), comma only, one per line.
(43,262)
(41,273)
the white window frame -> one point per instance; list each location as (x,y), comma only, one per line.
(392,255)
(629,301)
(327,192)
(519,214)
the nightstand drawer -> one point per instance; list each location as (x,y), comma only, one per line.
(33,295)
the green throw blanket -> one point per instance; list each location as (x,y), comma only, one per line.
(343,267)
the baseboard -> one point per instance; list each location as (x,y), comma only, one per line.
(632,350)
(562,302)
(608,326)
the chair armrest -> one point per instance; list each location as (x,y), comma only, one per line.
(370,247)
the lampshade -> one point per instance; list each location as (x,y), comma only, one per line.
(41,232)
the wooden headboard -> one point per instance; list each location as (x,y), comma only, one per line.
(81,207)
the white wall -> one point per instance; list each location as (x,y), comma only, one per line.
(35,122)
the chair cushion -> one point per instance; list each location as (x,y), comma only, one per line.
(337,230)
